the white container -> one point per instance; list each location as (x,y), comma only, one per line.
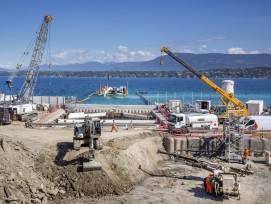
(268,157)
(203,104)
(228,86)
(254,107)
(174,106)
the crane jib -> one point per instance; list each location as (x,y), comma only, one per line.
(187,66)
(235,101)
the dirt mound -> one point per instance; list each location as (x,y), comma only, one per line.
(28,176)
(19,182)
(120,161)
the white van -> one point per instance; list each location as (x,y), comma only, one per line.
(259,123)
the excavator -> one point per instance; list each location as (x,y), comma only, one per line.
(231,105)
(89,133)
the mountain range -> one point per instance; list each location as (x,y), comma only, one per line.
(198,61)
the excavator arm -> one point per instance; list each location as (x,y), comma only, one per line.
(238,104)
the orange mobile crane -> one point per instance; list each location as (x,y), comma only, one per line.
(231,105)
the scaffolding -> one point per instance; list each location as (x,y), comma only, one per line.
(234,140)
(71,103)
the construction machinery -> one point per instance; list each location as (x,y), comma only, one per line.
(21,101)
(89,133)
(231,105)
(5,115)
(224,183)
(224,180)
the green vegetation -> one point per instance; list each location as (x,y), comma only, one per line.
(259,72)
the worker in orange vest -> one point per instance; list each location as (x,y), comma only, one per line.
(114,127)
(246,153)
(209,180)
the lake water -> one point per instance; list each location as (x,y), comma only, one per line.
(159,89)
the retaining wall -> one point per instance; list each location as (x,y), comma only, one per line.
(210,146)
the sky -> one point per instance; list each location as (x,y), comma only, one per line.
(134,30)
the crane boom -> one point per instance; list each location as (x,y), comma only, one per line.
(238,104)
(29,84)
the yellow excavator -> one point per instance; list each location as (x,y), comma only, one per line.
(231,105)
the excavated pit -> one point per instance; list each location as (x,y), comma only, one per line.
(120,159)
(30,176)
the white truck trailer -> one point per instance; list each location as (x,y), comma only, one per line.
(257,123)
(182,121)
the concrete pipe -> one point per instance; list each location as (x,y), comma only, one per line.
(169,144)
(184,145)
(188,147)
(177,144)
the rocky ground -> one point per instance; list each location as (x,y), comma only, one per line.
(40,166)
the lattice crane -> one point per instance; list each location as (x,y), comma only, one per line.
(27,89)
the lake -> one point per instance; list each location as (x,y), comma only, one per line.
(159,89)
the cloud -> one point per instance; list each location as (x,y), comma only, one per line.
(254,52)
(121,54)
(187,51)
(8,65)
(71,57)
(236,50)
(122,48)
(202,48)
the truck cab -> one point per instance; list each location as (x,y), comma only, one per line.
(177,120)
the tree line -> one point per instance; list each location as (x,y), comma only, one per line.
(259,72)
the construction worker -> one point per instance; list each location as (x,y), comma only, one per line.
(246,153)
(209,180)
(114,127)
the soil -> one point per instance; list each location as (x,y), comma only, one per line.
(40,166)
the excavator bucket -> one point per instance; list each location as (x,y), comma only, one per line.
(91,166)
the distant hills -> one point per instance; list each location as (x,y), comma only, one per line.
(198,61)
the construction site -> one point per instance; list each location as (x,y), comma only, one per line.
(56,149)
(40,165)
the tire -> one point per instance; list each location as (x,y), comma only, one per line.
(207,127)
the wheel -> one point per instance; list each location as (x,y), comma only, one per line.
(207,127)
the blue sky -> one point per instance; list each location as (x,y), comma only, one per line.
(134,30)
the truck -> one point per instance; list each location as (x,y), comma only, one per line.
(182,121)
(256,123)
